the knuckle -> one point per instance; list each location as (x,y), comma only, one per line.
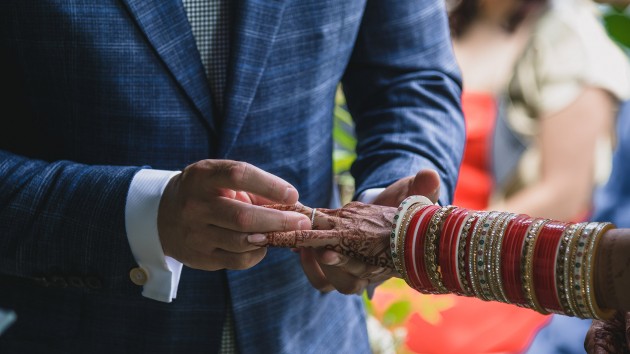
(285,223)
(353,204)
(243,218)
(197,167)
(272,186)
(237,172)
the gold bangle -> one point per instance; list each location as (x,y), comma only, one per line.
(461,253)
(577,270)
(431,249)
(472,253)
(528,272)
(562,269)
(596,311)
(395,237)
(404,225)
(497,245)
(483,244)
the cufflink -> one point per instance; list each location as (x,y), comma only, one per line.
(138,276)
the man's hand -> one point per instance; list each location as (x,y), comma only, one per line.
(208,211)
(329,270)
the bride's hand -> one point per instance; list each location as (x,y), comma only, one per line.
(357,230)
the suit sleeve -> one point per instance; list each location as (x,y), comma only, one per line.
(403,89)
(63,222)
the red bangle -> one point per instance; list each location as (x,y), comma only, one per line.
(410,233)
(414,242)
(447,256)
(511,255)
(545,265)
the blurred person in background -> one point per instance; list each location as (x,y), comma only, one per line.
(542,87)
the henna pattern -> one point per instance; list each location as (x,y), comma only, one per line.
(608,336)
(357,230)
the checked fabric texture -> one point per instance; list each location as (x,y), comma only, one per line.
(210,23)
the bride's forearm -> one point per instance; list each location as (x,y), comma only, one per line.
(612,277)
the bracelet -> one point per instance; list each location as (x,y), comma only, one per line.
(395,236)
(449,250)
(569,264)
(577,266)
(562,270)
(431,249)
(544,265)
(404,225)
(420,280)
(511,271)
(497,284)
(462,251)
(594,308)
(481,262)
(472,254)
(527,262)
(545,259)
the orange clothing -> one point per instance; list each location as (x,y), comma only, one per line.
(475,183)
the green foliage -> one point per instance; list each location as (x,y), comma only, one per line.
(344,151)
(397,313)
(343,135)
(617,24)
(369,308)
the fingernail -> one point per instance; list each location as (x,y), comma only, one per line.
(332,260)
(256,238)
(289,196)
(304,224)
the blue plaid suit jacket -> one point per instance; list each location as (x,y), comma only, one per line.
(99,89)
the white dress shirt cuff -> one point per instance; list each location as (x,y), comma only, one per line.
(369,195)
(141,214)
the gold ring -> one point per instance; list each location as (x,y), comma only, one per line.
(313,218)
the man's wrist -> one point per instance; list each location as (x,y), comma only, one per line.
(141,211)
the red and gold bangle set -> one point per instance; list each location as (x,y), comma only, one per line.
(540,264)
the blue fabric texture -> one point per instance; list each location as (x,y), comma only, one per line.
(99,89)
(562,335)
(612,201)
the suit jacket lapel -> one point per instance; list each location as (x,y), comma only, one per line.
(255,28)
(166,27)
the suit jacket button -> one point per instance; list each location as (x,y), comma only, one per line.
(138,276)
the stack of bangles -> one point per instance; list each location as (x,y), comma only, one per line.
(536,263)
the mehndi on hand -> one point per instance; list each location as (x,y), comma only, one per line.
(357,230)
